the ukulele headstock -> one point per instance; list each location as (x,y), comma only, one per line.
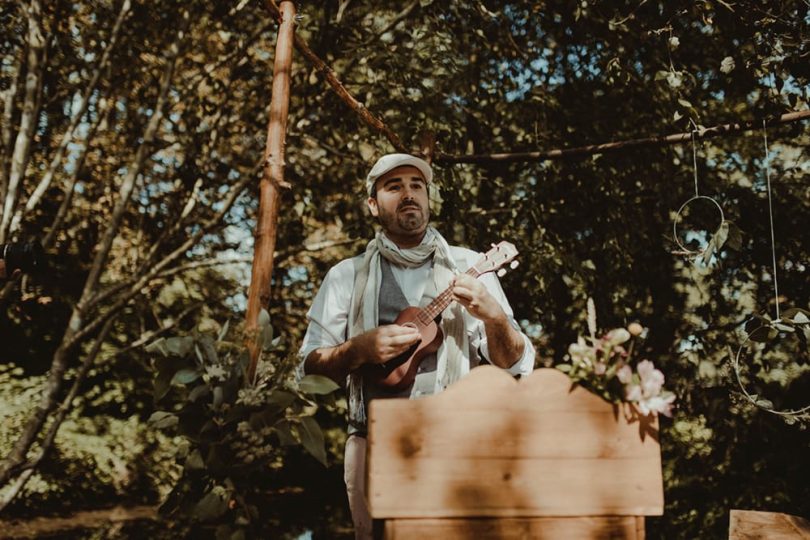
(501,254)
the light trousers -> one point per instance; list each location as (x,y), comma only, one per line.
(354,474)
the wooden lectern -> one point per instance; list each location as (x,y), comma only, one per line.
(493,457)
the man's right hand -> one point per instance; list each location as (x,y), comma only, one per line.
(383,343)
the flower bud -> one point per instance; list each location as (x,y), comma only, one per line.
(635,329)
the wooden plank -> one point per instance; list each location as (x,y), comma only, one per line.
(512,528)
(513,487)
(492,446)
(751,525)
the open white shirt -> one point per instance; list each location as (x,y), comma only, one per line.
(328,316)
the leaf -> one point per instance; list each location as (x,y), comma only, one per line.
(317,384)
(796,315)
(195,461)
(218,397)
(213,505)
(163,383)
(159,345)
(179,346)
(198,392)
(163,420)
(264,318)
(224,331)
(684,103)
(284,433)
(280,399)
(267,337)
(312,438)
(721,235)
(186,376)
(735,239)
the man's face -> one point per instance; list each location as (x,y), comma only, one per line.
(401,205)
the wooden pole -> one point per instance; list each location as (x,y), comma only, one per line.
(366,115)
(272,180)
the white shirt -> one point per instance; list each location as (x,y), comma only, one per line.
(328,316)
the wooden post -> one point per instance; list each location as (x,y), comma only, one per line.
(272,180)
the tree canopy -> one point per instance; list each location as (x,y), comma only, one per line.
(132,142)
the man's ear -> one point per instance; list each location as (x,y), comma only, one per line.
(372,206)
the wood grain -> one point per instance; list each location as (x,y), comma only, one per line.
(490,446)
(751,525)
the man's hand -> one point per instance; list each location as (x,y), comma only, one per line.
(373,347)
(383,343)
(473,295)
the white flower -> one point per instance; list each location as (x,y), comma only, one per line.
(581,353)
(632,392)
(727,65)
(599,368)
(617,336)
(216,372)
(674,79)
(660,404)
(674,42)
(624,374)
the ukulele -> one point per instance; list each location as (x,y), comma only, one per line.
(399,373)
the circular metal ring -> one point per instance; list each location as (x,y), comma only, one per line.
(685,251)
(748,396)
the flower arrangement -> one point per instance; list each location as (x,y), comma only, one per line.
(604,365)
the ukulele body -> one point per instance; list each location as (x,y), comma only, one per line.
(399,373)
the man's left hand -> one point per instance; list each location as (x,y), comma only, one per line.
(473,295)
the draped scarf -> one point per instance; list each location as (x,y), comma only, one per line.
(451,362)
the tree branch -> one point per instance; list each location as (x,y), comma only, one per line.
(90,88)
(28,120)
(676,138)
(367,116)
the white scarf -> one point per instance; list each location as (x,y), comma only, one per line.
(451,363)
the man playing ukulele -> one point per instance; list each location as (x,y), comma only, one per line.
(351,332)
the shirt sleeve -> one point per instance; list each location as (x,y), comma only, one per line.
(523,365)
(329,314)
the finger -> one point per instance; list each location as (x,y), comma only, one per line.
(404,339)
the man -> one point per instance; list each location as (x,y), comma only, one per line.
(407,263)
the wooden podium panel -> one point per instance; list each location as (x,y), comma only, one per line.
(752,525)
(540,528)
(493,447)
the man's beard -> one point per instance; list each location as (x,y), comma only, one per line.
(408,222)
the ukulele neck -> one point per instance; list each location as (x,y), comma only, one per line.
(440,303)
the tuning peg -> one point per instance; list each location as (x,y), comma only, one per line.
(501,272)
(513,265)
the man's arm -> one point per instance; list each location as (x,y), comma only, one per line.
(505,343)
(372,347)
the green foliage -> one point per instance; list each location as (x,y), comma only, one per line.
(234,431)
(93,458)
(485,77)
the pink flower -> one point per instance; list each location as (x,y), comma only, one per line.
(652,380)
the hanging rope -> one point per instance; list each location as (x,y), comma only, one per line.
(770,215)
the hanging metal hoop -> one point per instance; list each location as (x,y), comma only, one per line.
(787,413)
(684,249)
